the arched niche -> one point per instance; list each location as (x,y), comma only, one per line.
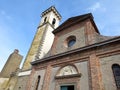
(67,71)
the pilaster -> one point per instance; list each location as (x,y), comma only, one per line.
(95,72)
(47,78)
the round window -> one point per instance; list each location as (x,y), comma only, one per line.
(70,41)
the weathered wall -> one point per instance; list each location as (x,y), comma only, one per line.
(52,80)
(11,83)
(46,42)
(40,73)
(83,83)
(11,65)
(33,49)
(90,33)
(21,83)
(84,80)
(3,83)
(60,45)
(107,73)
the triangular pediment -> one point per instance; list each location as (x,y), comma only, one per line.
(73,20)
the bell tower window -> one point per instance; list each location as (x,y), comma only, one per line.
(116,72)
(45,19)
(54,21)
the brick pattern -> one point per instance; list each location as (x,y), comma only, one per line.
(46,82)
(89,33)
(95,72)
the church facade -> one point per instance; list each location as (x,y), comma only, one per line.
(72,56)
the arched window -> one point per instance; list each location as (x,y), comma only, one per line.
(54,21)
(45,19)
(116,72)
(37,83)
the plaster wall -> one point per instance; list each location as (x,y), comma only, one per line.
(47,42)
(57,20)
(21,83)
(61,46)
(84,80)
(40,73)
(52,80)
(50,16)
(107,73)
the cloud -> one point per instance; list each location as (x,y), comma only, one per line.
(95,7)
(5,15)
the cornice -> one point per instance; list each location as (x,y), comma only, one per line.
(96,45)
(52,8)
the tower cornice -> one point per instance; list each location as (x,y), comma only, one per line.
(52,8)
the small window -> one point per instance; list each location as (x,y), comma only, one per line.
(37,83)
(116,72)
(54,21)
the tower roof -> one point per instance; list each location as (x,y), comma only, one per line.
(52,8)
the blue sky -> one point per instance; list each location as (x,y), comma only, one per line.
(19,20)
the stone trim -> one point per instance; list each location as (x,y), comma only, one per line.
(68,76)
(24,73)
(68,81)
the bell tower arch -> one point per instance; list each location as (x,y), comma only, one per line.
(51,16)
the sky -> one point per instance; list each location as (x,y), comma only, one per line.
(19,20)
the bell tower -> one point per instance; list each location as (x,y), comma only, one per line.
(44,37)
